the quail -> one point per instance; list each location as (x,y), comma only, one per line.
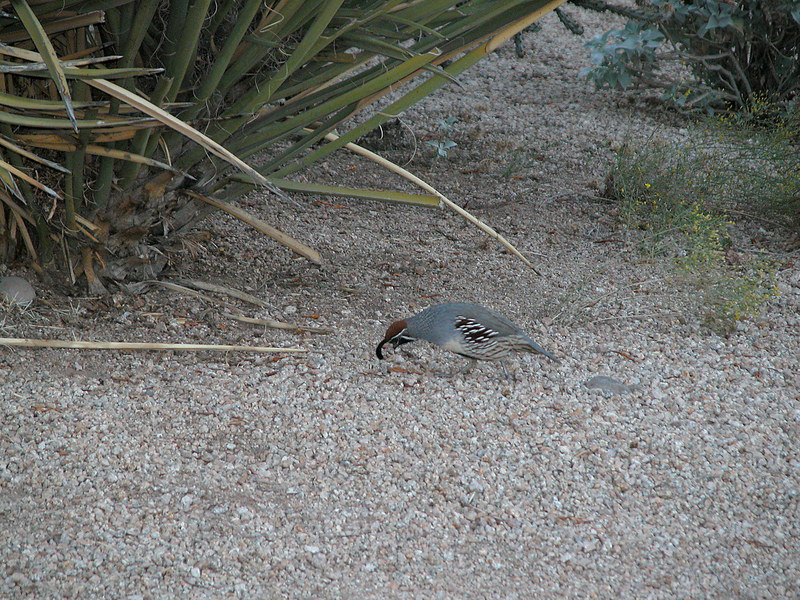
(470,330)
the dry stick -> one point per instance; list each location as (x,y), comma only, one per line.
(28,343)
(28,241)
(221,289)
(260,225)
(276,324)
(636,316)
(447,202)
(179,288)
(87,260)
(242,296)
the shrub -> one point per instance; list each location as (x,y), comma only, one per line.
(722,54)
(681,197)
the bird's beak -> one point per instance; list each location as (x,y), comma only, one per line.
(378,350)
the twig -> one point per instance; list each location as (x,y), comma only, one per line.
(447,202)
(260,225)
(276,324)
(221,289)
(181,288)
(242,296)
(638,316)
(29,343)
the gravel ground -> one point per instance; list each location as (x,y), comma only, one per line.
(331,475)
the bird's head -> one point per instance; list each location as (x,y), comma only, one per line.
(396,335)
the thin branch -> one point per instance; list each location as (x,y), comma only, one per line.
(29,343)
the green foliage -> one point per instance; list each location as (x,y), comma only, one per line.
(764,163)
(442,146)
(668,193)
(517,161)
(722,54)
(680,195)
(448,123)
(622,56)
(730,298)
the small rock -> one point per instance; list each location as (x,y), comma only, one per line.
(315,360)
(475,486)
(17,290)
(609,384)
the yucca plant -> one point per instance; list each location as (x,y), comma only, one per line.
(103,104)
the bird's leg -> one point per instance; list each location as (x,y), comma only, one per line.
(507,377)
(503,364)
(472,362)
(470,365)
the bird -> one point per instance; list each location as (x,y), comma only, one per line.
(470,330)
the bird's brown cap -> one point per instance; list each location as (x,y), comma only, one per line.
(395,330)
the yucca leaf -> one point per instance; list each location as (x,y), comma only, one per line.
(30,155)
(103,73)
(261,226)
(416,94)
(16,208)
(94,150)
(37,104)
(184,44)
(442,198)
(391,50)
(300,55)
(413,25)
(223,59)
(137,158)
(10,183)
(82,344)
(8,67)
(54,26)
(348,192)
(47,53)
(22,175)
(145,10)
(255,133)
(53,141)
(167,119)
(55,123)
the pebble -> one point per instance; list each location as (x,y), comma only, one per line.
(17,290)
(608,384)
